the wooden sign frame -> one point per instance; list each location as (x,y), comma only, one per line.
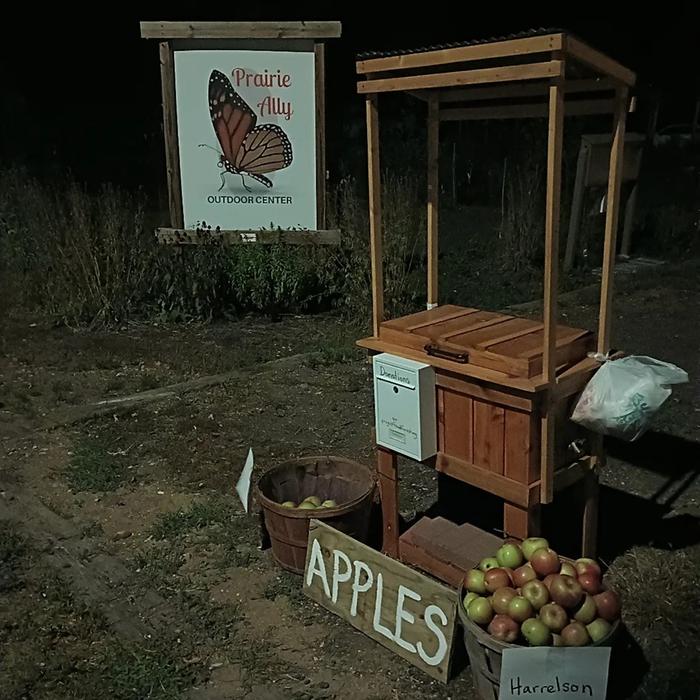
(415,599)
(267,35)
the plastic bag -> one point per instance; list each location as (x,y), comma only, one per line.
(623,395)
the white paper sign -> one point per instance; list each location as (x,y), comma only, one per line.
(555,673)
(243,485)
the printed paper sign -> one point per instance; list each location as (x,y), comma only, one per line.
(555,673)
(246,123)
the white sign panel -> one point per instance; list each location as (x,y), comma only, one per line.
(555,673)
(246,123)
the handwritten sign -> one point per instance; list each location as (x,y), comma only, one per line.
(396,606)
(555,673)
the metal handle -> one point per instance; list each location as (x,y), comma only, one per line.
(436,351)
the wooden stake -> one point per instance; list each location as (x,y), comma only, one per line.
(172,152)
(389,492)
(320,65)
(375,213)
(551,265)
(433,193)
(611,220)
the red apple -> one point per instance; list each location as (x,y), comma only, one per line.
(590,583)
(495,579)
(536,592)
(586,611)
(554,616)
(566,591)
(502,597)
(509,555)
(608,605)
(548,580)
(588,566)
(532,544)
(598,629)
(545,562)
(536,633)
(523,574)
(574,635)
(475,581)
(480,611)
(504,628)
(568,569)
(520,609)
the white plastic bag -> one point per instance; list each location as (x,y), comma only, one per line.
(623,395)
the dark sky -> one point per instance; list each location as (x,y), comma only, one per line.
(83,91)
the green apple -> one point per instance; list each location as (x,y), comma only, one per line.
(468,598)
(509,555)
(532,544)
(586,611)
(488,563)
(475,581)
(329,503)
(313,499)
(480,611)
(307,505)
(520,609)
(536,633)
(598,629)
(288,504)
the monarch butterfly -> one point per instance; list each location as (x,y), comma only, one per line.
(247,149)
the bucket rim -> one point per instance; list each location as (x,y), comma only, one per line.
(318,513)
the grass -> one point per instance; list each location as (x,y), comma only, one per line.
(199,515)
(92,468)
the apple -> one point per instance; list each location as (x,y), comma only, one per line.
(306,505)
(523,574)
(312,499)
(501,598)
(575,635)
(554,616)
(536,633)
(608,605)
(586,611)
(509,555)
(568,569)
(548,580)
(495,579)
(566,591)
(488,563)
(532,544)
(536,592)
(545,562)
(329,503)
(475,581)
(557,640)
(504,628)
(598,629)
(520,609)
(468,598)
(480,611)
(588,566)
(590,583)
(288,504)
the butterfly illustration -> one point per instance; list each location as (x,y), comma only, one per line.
(247,149)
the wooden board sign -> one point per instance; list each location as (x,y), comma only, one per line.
(405,611)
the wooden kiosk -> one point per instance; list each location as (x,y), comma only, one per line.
(504,385)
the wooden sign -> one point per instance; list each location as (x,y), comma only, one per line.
(396,606)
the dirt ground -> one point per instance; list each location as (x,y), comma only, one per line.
(128,568)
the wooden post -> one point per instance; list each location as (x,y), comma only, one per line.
(320,65)
(521,523)
(433,192)
(375,213)
(389,493)
(584,155)
(172,154)
(551,266)
(611,219)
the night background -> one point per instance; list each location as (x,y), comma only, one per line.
(135,376)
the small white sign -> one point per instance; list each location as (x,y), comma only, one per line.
(555,673)
(243,485)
